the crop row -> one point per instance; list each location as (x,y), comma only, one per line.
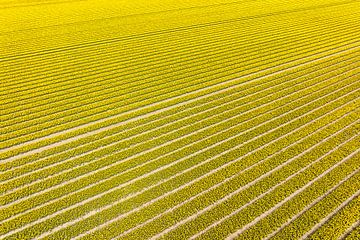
(176,34)
(352,232)
(287,213)
(174,52)
(158,106)
(194,206)
(230,175)
(230,103)
(306,221)
(211,103)
(174,45)
(109,103)
(156,142)
(340,221)
(149,127)
(37,101)
(307,193)
(219,124)
(152,24)
(98,50)
(219,147)
(146,59)
(33,114)
(89,139)
(167,202)
(96,25)
(62,67)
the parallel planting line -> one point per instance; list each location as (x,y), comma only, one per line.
(115,66)
(36,121)
(173,8)
(67,54)
(222,98)
(167,143)
(178,36)
(167,57)
(106,41)
(211,100)
(155,33)
(310,217)
(156,132)
(39,149)
(183,186)
(187,170)
(160,127)
(140,47)
(313,203)
(171,48)
(248,203)
(257,219)
(143,100)
(57,102)
(350,230)
(32,112)
(289,208)
(246,169)
(247,186)
(344,218)
(232,88)
(281,11)
(329,216)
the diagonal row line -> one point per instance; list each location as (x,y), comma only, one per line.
(155,129)
(220,154)
(140,125)
(278,205)
(247,186)
(183,50)
(93,212)
(333,213)
(302,9)
(170,142)
(248,168)
(97,106)
(197,92)
(350,230)
(313,203)
(140,51)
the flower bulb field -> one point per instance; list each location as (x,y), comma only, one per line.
(180,119)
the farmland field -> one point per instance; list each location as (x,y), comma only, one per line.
(186,119)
